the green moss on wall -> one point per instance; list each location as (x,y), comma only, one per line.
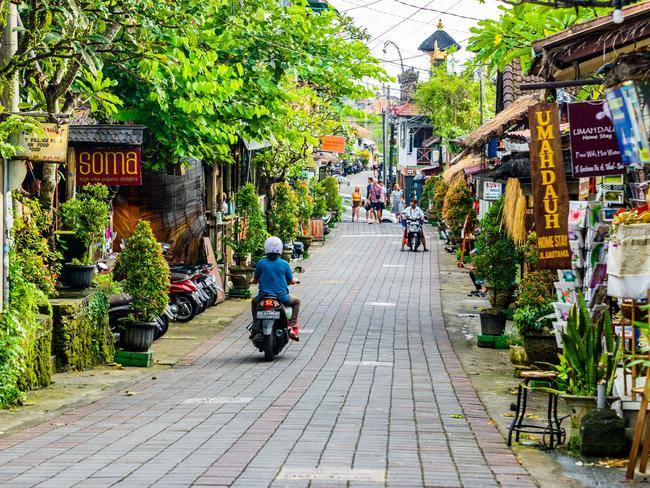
(81,336)
(38,367)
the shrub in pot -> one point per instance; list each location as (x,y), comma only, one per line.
(458,204)
(590,355)
(305,204)
(439,193)
(333,198)
(143,273)
(249,230)
(284,212)
(496,263)
(88,217)
(320,204)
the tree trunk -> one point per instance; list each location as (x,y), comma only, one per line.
(50,170)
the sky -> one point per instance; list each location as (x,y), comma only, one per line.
(380,18)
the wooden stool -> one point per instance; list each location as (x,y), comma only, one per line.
(553,429)
(640,437)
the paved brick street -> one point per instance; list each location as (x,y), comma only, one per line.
(372,395)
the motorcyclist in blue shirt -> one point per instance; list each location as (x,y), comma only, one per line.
(274,275)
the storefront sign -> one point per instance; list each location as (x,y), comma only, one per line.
(50,148)
(594,150)
(627,117)
(332,144)
(109,165)
(492,190)
(550,192)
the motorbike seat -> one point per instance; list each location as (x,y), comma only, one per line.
(119,299)
(177,277)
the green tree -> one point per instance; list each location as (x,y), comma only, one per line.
(284,219)
(244,72)
(452,101)
(497,42)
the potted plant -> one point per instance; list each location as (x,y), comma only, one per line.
(333,199)
(458,204)
(284,215)
(143,274)
(496,263)
(87,217)
(249,232)
(590,355)
(534,325)
(305,205)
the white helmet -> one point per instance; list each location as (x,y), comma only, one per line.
(273,245)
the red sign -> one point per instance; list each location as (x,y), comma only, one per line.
(115,166)
(594,150)
(550,192)
(332,144)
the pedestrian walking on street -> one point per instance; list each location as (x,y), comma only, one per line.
(383,198)
(356,203)
(375,201)
(398,202)
(368,204)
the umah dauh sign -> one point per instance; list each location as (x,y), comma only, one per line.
(113,166)
(550,192)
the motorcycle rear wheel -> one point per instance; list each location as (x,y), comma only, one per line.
(161,327)
(268,347)
(187,308)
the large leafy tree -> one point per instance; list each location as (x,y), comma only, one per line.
(497,42)
(229,73)
(452,101)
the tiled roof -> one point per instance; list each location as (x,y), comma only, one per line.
(513,78)
(408,109)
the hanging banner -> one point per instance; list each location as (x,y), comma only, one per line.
(594,150)
(550,192)
(332,144)
(627,117)
(113,166)
(50,148)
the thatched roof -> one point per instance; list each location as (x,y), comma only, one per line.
(513,115)
(466,160)
(633,66)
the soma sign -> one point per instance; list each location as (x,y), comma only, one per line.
(550,192)
(109,165)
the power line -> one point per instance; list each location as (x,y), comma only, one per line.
(361,6)
(401,16)
(401,22)
(442,12)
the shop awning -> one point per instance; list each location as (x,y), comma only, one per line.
(513,115)
(584,48)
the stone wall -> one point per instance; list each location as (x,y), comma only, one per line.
(81,337)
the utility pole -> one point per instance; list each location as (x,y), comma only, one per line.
(10,99)
(385,134)
(480,90)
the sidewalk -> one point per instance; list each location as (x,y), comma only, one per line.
(491,375)
(77,389)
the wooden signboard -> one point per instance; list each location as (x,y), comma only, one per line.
(52,147)
(550,192)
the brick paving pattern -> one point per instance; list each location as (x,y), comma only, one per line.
(373,395)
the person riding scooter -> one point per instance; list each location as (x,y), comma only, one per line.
(413,212)
(273,274)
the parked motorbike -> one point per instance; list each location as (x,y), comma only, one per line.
(414,230)
(201,275)
(120,307)
(185,300)
(269,329)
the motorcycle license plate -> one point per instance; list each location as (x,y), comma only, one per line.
(268,314)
